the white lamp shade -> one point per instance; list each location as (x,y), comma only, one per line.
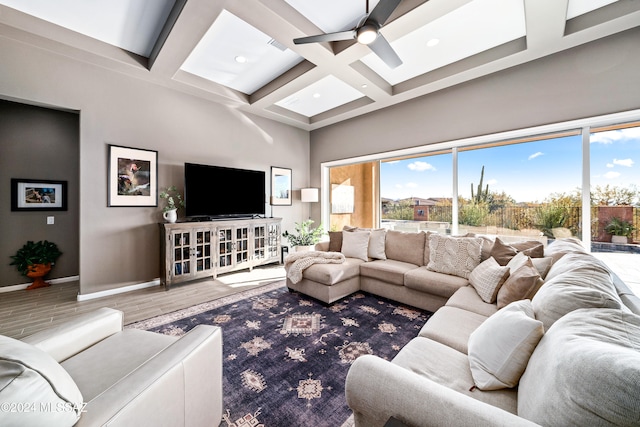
(309,195)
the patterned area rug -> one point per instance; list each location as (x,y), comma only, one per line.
(286,356)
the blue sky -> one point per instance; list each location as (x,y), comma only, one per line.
(528,172)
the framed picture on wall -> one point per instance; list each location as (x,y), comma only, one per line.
(280,186)
(132,177)
(38,195)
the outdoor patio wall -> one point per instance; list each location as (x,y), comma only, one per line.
(120,246)
(590,80)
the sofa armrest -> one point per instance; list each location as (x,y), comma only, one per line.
(377,389)
(322,246)
(179,386)
(75,335)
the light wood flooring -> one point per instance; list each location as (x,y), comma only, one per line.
(24,312)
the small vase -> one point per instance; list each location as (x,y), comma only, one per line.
(305,248)
(171,216)
(37,273)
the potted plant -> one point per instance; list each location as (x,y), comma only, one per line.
(173,203)
(304,237)
(34,260)
(620,230)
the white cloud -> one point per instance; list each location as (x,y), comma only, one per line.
(609,137)
(421,166)
(534,155)
(623,162)
(611,175)
(492,182)
(609,165)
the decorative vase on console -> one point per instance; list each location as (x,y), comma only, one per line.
(174,202)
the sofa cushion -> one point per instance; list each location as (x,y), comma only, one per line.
(454,255)
(586,286)
(500,348)
(444,285)
(576,260)
(487,278)
(330,274)
(523,282)
(447,366)
(335,241)
(585,371)
(389,270)
(355,244)
(559,247)
(468,299)
(452,326)
(28,376)
(376,244)
(406,247)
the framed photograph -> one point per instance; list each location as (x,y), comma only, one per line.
(132,177)
(38,195)
(342,198)
(280,186)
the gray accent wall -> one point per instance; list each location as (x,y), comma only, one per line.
(42,144)
(119,246)
(590,80)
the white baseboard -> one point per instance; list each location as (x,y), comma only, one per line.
(25,285)
(101,294)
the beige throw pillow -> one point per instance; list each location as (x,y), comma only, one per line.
(487,278)
(376,244)
(503,252)
(454,255)
(523,283)
(355,244)
(500,348)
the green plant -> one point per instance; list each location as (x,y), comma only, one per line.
(620,227)
(173,198)
(480,196)
(42,252)
(304,234)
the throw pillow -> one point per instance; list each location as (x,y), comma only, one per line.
(543,265)
(405,246)
(376,244)
(487,278)
(522,283)
(532,248)
(29,375)
(355,244)
(585,371)
(335,241)
(503,252)
(458,256)
(500,348)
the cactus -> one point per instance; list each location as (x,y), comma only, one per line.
(480,196)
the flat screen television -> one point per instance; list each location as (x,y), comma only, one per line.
(215,191)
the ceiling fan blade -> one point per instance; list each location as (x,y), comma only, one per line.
(383,11)
(383,49)
(330,37)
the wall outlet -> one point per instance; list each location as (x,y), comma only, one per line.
(50,220)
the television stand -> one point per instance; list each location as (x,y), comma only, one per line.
(205,248)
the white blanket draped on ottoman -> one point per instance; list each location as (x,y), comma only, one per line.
(296,262)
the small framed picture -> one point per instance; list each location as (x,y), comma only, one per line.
(38,195)
(280,186)
(132,177)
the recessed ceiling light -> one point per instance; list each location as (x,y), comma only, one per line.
(433,42)
(241,59)
(364,86)
(316,95)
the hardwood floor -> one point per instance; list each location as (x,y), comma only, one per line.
(24,312)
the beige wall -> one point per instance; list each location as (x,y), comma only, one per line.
(595,79)
(362,177)
(119,246)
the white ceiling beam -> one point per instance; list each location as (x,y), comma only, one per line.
(545,21)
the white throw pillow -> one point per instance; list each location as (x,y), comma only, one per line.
(355,244)
(454,255)
(487,278)
(500,348)
(29,376)
(376,244)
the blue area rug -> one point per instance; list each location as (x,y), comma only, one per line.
(286,355)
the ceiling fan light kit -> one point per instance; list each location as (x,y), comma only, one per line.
(367,32)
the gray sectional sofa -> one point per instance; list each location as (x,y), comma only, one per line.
(539,338)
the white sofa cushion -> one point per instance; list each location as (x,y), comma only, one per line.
(487,278)
(585,371)
(355,244)
(43,392)
(454,255)
(499,349)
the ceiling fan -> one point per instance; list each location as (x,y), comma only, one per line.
(367,32)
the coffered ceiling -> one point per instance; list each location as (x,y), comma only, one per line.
(241,52)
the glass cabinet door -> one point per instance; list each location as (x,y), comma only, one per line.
(181,253)
(259,242)
(242,244)
(225,247)
(202,253)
